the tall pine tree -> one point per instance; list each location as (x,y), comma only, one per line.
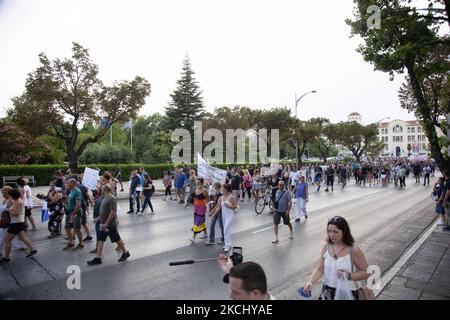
(186,105)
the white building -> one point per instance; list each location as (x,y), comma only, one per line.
(398,134)
(354,116)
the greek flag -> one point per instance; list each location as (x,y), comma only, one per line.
(127,125)
(104,122)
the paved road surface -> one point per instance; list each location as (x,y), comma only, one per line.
(384,222)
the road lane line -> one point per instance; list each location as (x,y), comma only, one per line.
(392,272)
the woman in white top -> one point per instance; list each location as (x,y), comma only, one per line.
(5,220)
(228,205)
(27,200)
(17,225)
(336,261)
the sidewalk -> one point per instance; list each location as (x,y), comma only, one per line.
(121,195)
(426,275)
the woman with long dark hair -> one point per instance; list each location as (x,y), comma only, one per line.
(338,259)
(17,225)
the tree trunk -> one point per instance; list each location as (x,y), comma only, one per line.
(73,159)
(427,121)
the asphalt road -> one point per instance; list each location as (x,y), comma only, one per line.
(384,222)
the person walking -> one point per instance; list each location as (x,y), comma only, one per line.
(17,225)
(5,220)
(426,174)
(191,184)
(283,207)
(247,184)
(402,176)
(118,176)
(215,214)
(148,191)
(330,172)
(56,209)
(301,197)
(74,215)
(135,191)
(236,183)
(180,185)
(343,175)
(167,182)
(201,197)
(228,206)
(338,260)
(318,176)
(27,198)
(108,226)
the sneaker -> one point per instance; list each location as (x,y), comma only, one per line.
(88,238)
(124,256)
(180,202)
(220,242)
(275,240)
(121,190)
(32,253)
(79,246)
(94,251)
(131,211)
(68,246)
(209,243)
(226,249)
(306,217)
(94,261)
(326,190)
(291,235)
(297,220)
(205,236)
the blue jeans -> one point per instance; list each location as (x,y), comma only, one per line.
(149,201)
(138,203)
(212,231)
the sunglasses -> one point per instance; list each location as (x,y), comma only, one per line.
(335,219)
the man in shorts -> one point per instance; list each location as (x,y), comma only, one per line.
(74,215)
(283,198)
(108,226)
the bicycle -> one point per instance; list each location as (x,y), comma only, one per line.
(265,200)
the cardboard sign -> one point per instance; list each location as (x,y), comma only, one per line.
(90,178)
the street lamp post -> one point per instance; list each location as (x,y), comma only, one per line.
(297,100)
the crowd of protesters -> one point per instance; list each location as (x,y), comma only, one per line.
(69,200)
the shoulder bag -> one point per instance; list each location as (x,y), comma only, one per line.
(364,292)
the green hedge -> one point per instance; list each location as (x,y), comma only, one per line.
(43,173)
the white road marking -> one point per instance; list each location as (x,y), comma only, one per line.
(391,273)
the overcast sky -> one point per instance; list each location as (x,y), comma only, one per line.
(248,53)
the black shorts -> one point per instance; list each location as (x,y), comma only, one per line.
(16,228)
(277,218)
(113,235)
(27,212)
